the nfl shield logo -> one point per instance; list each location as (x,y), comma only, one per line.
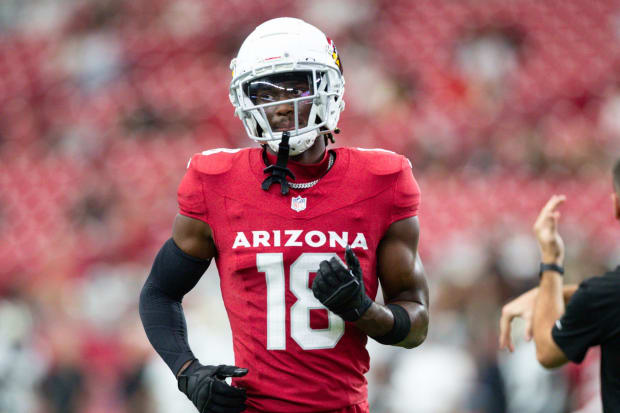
(298,203)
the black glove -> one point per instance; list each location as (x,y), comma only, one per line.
(340,289)
(206,388)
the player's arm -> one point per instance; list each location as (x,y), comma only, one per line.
(523,307)
(194,237)
(178,266)
(404,285)
(548,308)
(403,321)
(549,304)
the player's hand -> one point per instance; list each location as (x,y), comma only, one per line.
(341,290)
(206,388)
(522,306)
(546,230)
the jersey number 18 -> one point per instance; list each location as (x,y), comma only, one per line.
(272,264)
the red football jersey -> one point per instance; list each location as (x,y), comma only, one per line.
(301,358)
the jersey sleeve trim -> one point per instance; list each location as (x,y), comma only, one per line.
(191,194)
(405,194)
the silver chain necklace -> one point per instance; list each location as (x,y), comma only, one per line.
(306,185)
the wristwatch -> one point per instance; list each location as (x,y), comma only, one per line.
(550,267)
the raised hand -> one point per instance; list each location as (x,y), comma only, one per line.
(522,306)
(546,231)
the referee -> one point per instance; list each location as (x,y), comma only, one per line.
(591,316)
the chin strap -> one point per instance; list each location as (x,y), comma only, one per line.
(279,171)
(329,137)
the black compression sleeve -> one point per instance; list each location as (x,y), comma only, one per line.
(174,273)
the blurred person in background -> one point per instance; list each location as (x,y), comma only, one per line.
(21,368)
(565,321)
(299,341)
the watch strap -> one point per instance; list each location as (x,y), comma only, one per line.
(550,267)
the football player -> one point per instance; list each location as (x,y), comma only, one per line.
(302,238)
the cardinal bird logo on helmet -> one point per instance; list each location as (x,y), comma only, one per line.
(334,52)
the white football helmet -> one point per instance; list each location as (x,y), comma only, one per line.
(280,46)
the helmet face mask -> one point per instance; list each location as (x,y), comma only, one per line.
(283,101)
(287,62)
(279,87)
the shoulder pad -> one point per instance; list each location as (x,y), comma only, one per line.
(214,161)
(381,161)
